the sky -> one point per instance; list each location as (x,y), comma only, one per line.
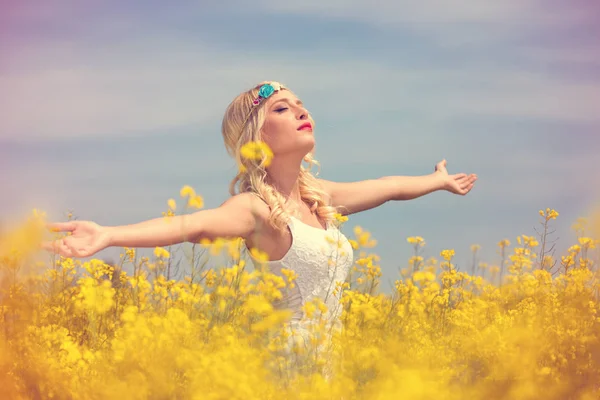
(108,109)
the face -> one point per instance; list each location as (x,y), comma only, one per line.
(288,127)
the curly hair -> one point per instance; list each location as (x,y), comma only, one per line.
(242,123)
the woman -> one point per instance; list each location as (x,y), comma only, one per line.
(277,205)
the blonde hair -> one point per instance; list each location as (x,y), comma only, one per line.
(242,124)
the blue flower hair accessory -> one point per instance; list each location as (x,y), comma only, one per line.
(266,91)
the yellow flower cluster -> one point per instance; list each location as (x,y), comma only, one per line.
(549,214)
(256,151)
(94,295)
(341,218)
(363,239)
(75,329)
(416,240)
(447,255)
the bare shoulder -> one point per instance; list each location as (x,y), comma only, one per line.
(250,204)
(239,216)
(253,208)
(327,186)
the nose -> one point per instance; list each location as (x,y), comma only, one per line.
(302,113)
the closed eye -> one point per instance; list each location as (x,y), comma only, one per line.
(281,109)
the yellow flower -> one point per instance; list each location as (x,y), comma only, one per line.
(322,307)
(187,191)
(505,243)
(309,308)
(95,297)
(129,253)
(159,252)
(364,238)
(424,276)
(172,205)
(260,256)
(587,243)
(415,260)
(258,305)
(168,214)
(417,240)
(549,214)
(547,261)
(259,151)
(290,275)
(341,218)
(447,254)
(196,201)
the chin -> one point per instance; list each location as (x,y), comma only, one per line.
(308,145)
(302,149)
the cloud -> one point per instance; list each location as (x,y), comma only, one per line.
(127,93)
(454,22)
(61,87)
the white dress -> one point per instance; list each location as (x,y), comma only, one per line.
(320,258)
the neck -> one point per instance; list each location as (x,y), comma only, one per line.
(284,178)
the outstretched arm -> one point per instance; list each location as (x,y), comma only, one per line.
(353,197)
(236,217)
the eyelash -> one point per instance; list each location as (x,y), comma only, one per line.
(279,110)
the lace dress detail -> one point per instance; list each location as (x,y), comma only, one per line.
(320,258)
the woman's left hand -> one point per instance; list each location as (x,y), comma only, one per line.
(456,183)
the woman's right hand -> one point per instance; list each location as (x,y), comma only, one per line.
(86,239)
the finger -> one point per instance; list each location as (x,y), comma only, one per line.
(68,241)
(462,181)
(77,251)
(460,176)
(66,251)
(73,249)
(467,181)
(57,247)
(61,226)
(468,188)
(466,178)
(53,245)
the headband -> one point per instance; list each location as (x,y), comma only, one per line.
(264,93)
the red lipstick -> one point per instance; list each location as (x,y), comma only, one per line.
(305,125)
